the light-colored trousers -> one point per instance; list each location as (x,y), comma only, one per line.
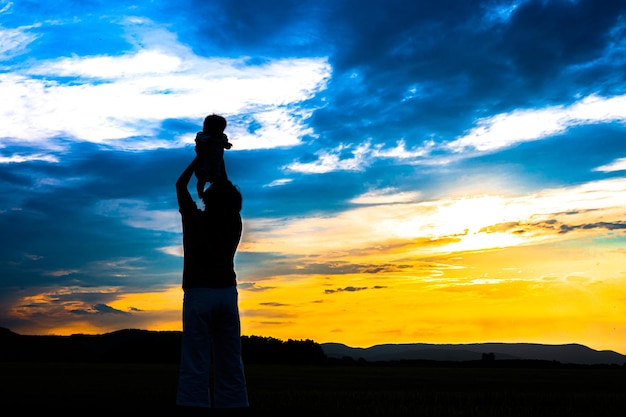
(211,325)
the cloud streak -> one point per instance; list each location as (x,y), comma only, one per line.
(504,130)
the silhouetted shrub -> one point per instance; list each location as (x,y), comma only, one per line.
(256,349)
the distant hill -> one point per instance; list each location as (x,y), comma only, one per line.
(128,345)
(568,353)
(143,346)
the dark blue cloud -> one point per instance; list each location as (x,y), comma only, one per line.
(59,227)
(248,28)
(543,37)
(460,65)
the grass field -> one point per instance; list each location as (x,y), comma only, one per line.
(139,389)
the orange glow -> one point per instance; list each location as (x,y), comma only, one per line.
(544,268)
(169,299)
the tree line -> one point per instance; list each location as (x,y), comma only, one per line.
(144,346)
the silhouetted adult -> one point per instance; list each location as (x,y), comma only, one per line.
(211,324)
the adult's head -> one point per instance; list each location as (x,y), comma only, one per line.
(214,124)
(222,196)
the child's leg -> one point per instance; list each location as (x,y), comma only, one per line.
(222,171)
(215,159)
(200,187)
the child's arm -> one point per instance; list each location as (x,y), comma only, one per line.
(225,143)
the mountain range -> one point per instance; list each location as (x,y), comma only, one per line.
(566,353)
(133,345)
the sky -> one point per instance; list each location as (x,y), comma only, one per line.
(412,171)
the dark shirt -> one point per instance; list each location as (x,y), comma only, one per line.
(210,240)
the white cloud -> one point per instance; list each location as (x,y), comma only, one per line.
(279,182)
(14,41)
(400,152)
(490,134)
(142,63)
(617,165)
(508,129)
(362,156)
(385,196)
(280,127)
(329,161)
(121,100)
(5,6)
(26,158)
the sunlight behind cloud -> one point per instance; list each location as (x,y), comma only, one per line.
(472,223)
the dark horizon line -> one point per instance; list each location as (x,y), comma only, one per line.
(5,330)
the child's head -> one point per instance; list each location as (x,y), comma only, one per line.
(214,124)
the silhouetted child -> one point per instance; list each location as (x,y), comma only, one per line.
(210,145)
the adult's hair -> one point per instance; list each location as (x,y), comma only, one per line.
(214,124)
(222,196)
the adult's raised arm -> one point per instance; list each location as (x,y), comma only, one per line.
(182,192)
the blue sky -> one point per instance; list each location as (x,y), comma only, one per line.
(380,147)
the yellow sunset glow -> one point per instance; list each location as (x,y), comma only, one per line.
(483,268)
(539,268)
(504,295)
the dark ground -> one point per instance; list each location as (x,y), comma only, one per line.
(149,389)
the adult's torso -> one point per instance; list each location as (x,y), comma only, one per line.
(209,242)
